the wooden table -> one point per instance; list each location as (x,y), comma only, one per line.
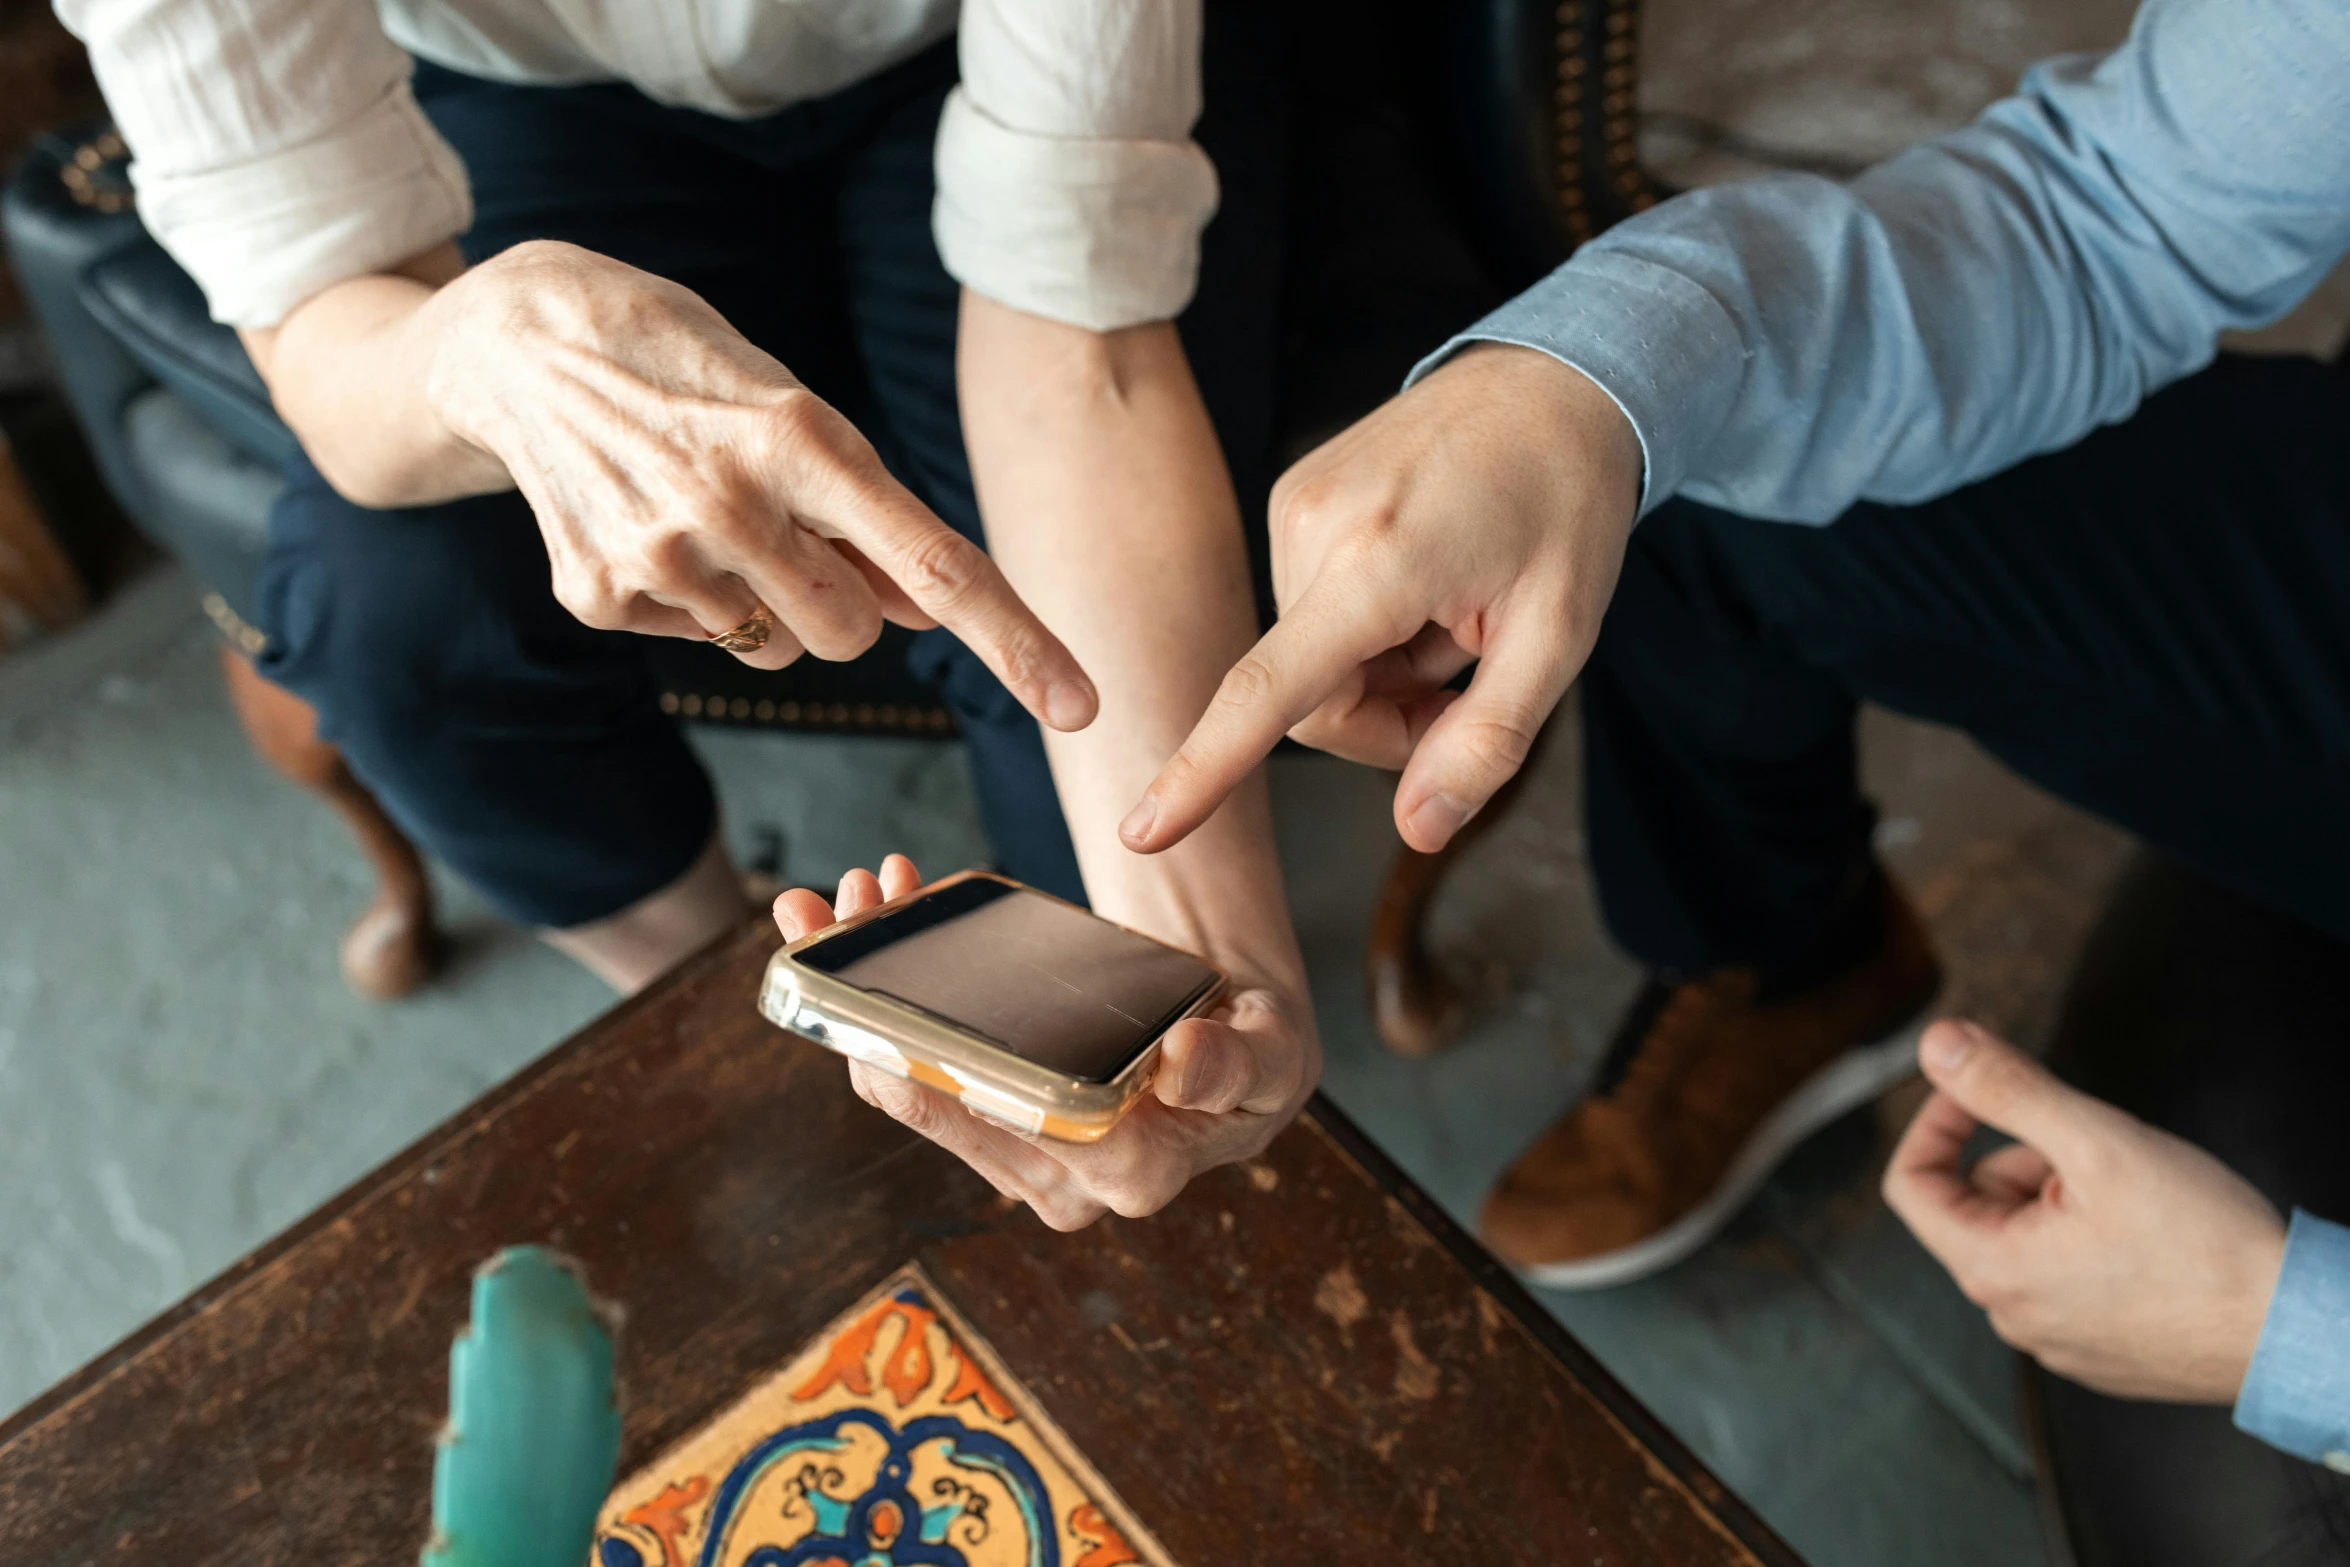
(1301,1360)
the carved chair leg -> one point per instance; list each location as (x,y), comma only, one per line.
(394,946)
(1415,1005)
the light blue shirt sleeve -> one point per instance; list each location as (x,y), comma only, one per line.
(1789,345)
(2297,1393)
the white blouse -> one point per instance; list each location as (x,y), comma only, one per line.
(277,148)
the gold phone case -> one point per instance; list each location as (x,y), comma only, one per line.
(905,1042)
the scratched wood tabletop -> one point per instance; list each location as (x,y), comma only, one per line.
(1301,1359)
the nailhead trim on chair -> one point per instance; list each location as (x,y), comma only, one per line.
(79,173)
(887,717)
(1618,180)
(245,638)
(856,717)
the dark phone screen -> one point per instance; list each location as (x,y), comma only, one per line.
(1041,978)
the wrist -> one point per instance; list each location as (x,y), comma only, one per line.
(1218,894)
(1251,944)
(1656,342)
(1268,964)
(437,344)
(1559,397)
(2259,1267)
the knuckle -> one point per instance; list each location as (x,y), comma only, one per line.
(1994,1081)
(1294,494)
(1224,1083)
(1497,743)
(2073,1364)
(1301,500)
(731,505)
(2096,1162)
(1138,1201)
(799,422)
(540,251)
(939,566)
(843,639)
(593,601)
(1136,1165)
(534,256)
(1260,1139)
(1972,1280)
(1992,1289)
(1064,1211)
(2021,1326)
(860,625)
(908,1104)
(1247,684)
(1250,1146)
(667,556)
(1362,555)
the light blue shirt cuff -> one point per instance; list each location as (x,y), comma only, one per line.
(2296,1395)
(1653,340)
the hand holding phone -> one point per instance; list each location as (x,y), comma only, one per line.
(1037,1014)
(1223,1082)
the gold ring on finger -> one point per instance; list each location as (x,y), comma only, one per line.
(750,636)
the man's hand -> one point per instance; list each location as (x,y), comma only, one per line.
(680,476)
(1226,1084)
(1480,515)
(2112,1253)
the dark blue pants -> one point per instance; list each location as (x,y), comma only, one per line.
(2153,624)
(527,751)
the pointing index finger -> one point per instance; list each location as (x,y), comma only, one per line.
(1309,652)
(952,580)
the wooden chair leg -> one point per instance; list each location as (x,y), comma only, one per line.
(37,583)
(394,946)
(1415,1005)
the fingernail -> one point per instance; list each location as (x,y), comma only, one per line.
(1438,817)
(1068,705)
(1947,1048)
(1139,821)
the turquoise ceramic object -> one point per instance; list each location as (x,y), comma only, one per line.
(527,1457)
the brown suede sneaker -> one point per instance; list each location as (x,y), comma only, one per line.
(1716,1088)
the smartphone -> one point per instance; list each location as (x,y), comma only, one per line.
(1032,1011)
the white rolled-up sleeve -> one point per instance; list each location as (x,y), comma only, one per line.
(1068,183)
(276,148)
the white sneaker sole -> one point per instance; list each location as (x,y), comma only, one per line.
(1843,1085)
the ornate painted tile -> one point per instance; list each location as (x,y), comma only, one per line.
(895,1439)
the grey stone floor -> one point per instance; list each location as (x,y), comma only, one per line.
(183,1074)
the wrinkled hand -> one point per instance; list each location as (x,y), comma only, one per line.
(2112,1253)
(1226,1084)
(682,477)
(1480,515)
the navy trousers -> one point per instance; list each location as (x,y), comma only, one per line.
(2153,624)
(527,751)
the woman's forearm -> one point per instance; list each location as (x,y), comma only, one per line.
(348,371)
(1109,507)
